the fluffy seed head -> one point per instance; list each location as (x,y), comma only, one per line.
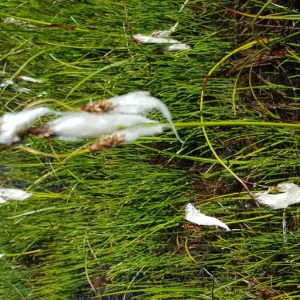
(74,126)
(14,125)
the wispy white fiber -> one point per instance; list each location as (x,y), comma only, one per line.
(30,79)
(146,39)
(75,126)
(10,20)
(12,86)
(17,89)
(134,133)
(6,83)
(165,33)
(7,194)
(290,194)
(13,125)
(139,102)
(162,37)
(175,47)
(194,215)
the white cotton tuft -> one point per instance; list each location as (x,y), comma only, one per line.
(287,187)
(20,90)
(290,194)
(194,215)
(134,133)
(75,126)
(13,125)
(175,47)
(274,201)
(137,102)
(146,39)
(6,83)
(30,79)
(7,194)
(164,33)
(140,102)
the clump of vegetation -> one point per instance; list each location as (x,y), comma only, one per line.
(111,225)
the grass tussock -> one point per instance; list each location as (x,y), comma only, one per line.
(111,225)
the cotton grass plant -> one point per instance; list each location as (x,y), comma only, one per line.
(113,223)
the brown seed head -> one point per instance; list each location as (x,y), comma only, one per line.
(41,131)
(98,107)
(107,142)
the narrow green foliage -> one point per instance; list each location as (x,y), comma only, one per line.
(112,224)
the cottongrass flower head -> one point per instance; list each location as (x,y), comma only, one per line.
(75,126)
(7,194)
(161,37)
(174,47)
(124,136)
(165,33)
(30,79)
(147,39)
(114,121)
(195,216)
(289,194)
(137,102)
(13,126)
